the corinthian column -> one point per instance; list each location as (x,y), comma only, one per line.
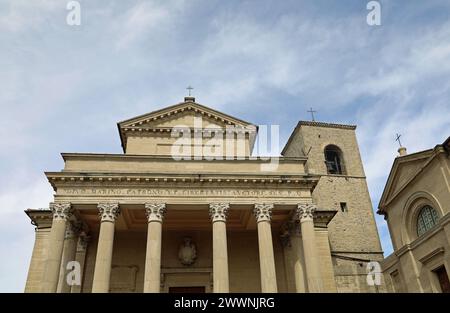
(102,271)
(69,253)
(155,214)
(314,279)
(263,214)
(218,213)
(83,241)
(293,252)
(61,214)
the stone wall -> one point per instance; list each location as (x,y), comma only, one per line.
(412,266)
(38,261)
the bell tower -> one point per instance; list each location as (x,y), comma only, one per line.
(333,153)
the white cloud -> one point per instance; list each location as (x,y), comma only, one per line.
(335,66)
(144,20)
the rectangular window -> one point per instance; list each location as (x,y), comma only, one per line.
(344,207)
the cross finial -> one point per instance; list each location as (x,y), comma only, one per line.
(397,138)
(189,88)
(312,113)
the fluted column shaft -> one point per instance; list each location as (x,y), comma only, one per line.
(152,278)
(102,271)
(218,213)
(61,214)
(263,214)
(305,214)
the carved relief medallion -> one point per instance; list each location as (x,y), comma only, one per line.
(187,252)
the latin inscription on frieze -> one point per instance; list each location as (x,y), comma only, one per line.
(183,192)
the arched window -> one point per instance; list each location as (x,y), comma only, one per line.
(334,160)
(427,218)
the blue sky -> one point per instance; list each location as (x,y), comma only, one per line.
(63,88)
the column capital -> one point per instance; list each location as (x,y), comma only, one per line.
(155,212)
(108,212)
(263,212)
(61,211)
(218,212)
(305,211)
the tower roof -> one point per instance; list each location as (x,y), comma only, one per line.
(314,124)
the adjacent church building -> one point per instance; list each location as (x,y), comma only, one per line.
(416,206)
(161,217)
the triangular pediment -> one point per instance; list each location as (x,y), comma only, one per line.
(183,114)
(403,171)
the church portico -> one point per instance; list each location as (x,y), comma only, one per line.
(131,246)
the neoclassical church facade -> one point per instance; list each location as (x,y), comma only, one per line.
(416,206)
(187,208)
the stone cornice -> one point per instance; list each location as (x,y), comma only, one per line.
(439,227)
(324,124)
(403,250)
(41,218)
(425,237)
(388,262)
(106,156)
(66,178)
(292,227)
(323,217)
(431,255)
(169,130)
